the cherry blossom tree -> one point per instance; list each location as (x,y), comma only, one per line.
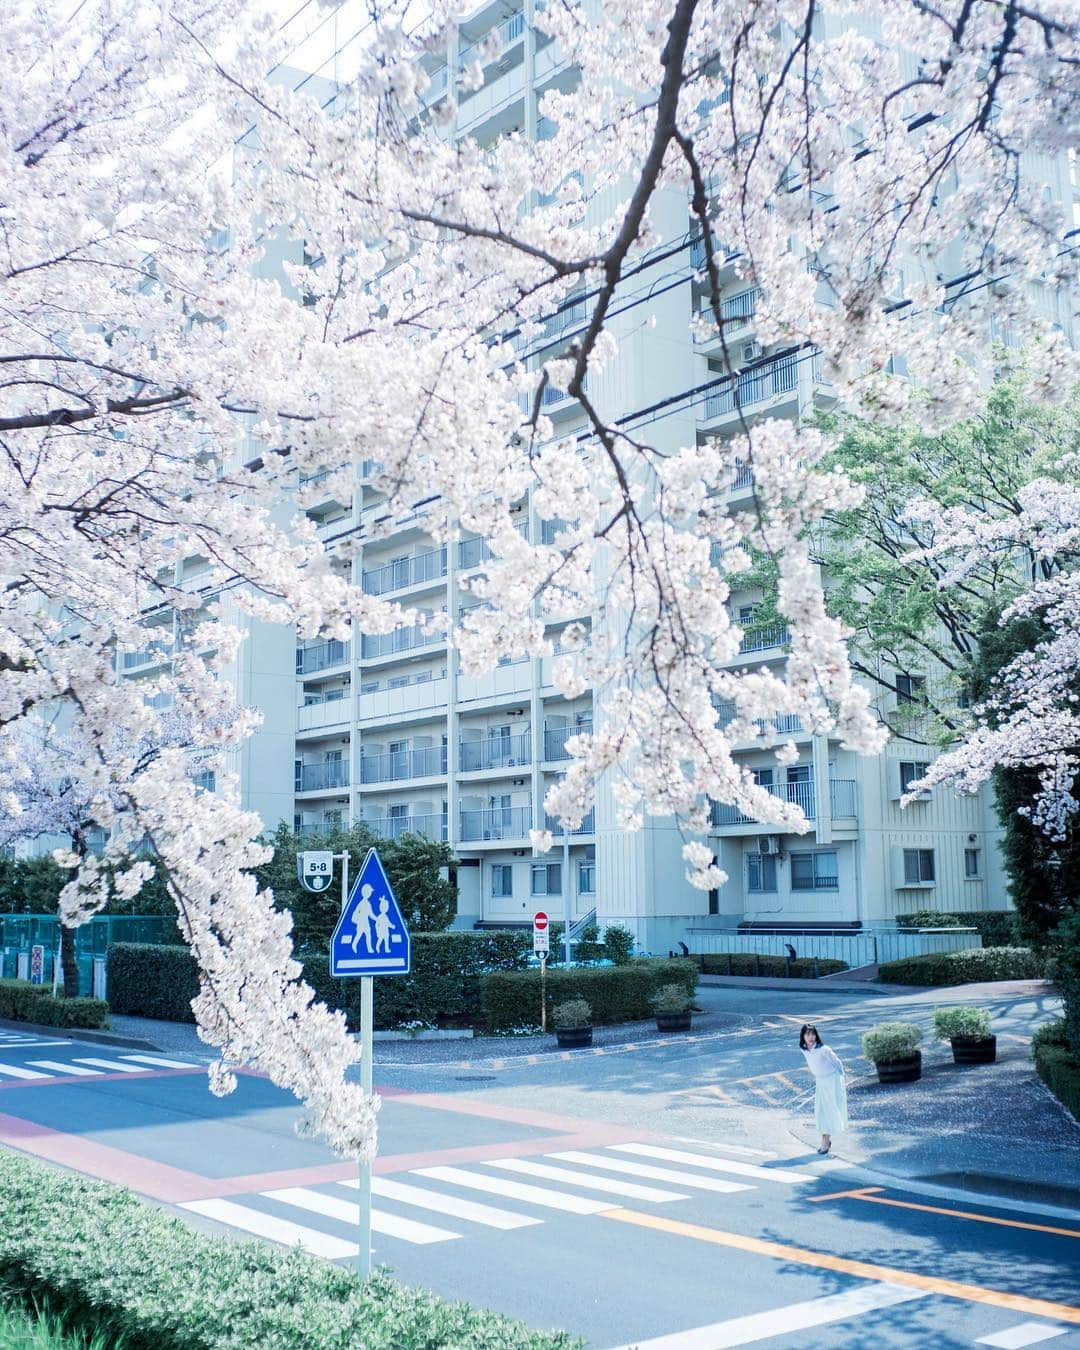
(166,378)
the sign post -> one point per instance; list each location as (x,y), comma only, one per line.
(371,938)
(541,947)
(37,965)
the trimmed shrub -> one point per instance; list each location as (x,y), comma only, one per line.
(148,980)
(1061,1074)
(891,1040)
(1050,1033)
(751,963)
(996,927)
(973,966)
(109,1263)
(614,993)
(962,1021)
(575,1012)
(618,944)
(671,999)
(21,1001)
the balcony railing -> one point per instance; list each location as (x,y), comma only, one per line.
(505,822)
(319,777)
(508,31)
(587,826)
(496,752)
(423,762)
(761,639)
(400,640)
(555,739)
(321,656)
(393,827)
(472,552)
(841,802)
(405,572)
(151,655)
(781,724)
(779,376)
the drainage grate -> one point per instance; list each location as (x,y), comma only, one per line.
(477,1078)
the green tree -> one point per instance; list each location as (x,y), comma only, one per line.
(414,864)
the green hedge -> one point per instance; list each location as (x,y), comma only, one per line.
(996,927)
(1061,1074)
(751,963)
(149,980)
(973,966)
(109,1262)
(511,999)
(21,1001)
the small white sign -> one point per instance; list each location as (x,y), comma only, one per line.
(317,869)
(541,942)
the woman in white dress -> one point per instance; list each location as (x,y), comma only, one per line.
(830,1090)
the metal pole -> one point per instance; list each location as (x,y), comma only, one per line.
(566,891)
(543,993)
(367,1017)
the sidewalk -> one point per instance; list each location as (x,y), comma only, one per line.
(827,984)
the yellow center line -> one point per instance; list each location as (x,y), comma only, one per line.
(929,1284)
(872,1196)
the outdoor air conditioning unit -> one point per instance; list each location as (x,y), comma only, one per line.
(769,845)
(751,351)
(519,782)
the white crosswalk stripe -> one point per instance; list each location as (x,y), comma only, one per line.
(160,1062)
(684,1179)
(794,1318)
(65,1069)
(30,1043)
(348,1211)
(453,1205)
(112,1065)
(260,1224)
(1027,1333)
(739,1169)
(14,1071)
(590,1181)
(516,1190)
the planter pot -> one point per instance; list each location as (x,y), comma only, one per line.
(573,1038)
(974,1049)
(673,1021)
(900,1070)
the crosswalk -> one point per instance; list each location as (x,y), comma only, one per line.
(86,1066)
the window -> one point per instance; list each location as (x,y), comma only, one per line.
(814,871)
(761,873)
(586,876)
(911,770)
(798,773)
(207,780)
(397,681)
(502,880)
(910,688)
(370,687)
(423,677)
(297,823)
(547,879)
(918,866)
(971,863)
(763,777)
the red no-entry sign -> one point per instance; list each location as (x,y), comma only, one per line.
(540,922)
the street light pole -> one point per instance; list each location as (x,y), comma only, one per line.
(566,891)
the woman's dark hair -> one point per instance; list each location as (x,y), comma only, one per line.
(809,1026)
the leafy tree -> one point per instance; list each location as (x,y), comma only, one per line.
(413,863)
(30,885)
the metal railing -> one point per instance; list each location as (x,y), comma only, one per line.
(472,552)
(321,656)
(841,801)
(587,826)
(508,31)
(503,822)
(496,752)
(761,639)
(779,376)
(432,826)
(400,640)
(151,655)
(405,572)
(555,739)
(318,777)
(396,764)
(842,796)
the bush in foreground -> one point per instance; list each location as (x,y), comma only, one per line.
(996,927)
(973,966)
(106,1261)
(752,963)
(21,1001)
(1060,1072)
(152,980)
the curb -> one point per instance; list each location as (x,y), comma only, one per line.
(78,1034)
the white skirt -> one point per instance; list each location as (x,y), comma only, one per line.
(830,1103)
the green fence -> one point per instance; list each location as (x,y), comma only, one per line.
(19,933)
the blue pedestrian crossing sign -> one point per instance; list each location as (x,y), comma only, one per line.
(371,937)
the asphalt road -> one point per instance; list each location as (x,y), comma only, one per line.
(657,1194)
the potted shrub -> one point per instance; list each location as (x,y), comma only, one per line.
(893,1048)
(671,1004)
(573,1023)
(969,1031)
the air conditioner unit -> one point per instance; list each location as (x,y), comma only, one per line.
(519,782)
(769,845)
(751,351)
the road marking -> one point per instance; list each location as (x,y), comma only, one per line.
(796,1317)
(270,1226)
(870,1194)
(159,1062)
(516,1190)
(929,1284)
(683,1179)
(347,1211)
(113,1065)
(13,1071)
(727,1148)
(29,1043)
(68,1069)
(1027,1333)
(591,1183)
(739,1169)
(453,1205)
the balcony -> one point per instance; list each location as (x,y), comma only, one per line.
(841,802)
(506,822)
(587,826)
(321,712)
(393,827)
(736,312)
(495,752)
(149,656)
(322,656)
(425,762)
(394,576)
(510,30)
(762,639)
(780,724)
(473,552)
(374,645)
(322,777)
(555,739)
(756,385)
